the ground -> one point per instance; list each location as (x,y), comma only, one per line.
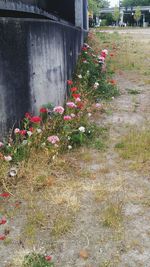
(100,199)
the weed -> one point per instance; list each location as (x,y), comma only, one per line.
(36,260)
(133,91)
(62,225)
(112,216)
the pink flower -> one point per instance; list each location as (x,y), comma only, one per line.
(17,130)
(59,109)
(48,258)
(105,51)
(71,105)
(8,158)
(1,144)
(67,118)
(78,99)
(53,139)
(2,237)
(3,221)
(98,105)
(102,59)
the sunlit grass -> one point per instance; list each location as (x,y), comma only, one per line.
(136,146)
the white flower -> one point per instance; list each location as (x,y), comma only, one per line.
(88,72)
(113,97)
(29,133)
(98,105)
(53,158)
(78,99)
(8,158)
(89,131)
(89,114)
(69,147)
(17,130)
(80,76)
(96,84)
(43,144)
(82,129)
(69,137)
(13,172)
(39,131)
(72,115)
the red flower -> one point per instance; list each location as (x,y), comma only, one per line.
(5,194)
(74,89)
(69,82)
(113,82)
(43,110)
(28,115)
(84,48)
(111,54)
(48,258)
(35,119)
(76,95)
(3,221)
(103,54)
(2,237)
(80,105)
(31,129)
(23,132)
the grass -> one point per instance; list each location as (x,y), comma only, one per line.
(113,215)
(136,146)
(62,225)
(127,52)
(133,91)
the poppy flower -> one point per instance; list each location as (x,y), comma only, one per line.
(3,221)
(76,95)
(2,237)
(67,118)
(23,132)
(36,119)
(28,115)
(73,89)
(43,110)
(69,82)
(5,194)
(48,258)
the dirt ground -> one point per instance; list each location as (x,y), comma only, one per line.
(111,227)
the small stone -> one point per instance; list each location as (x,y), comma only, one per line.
(84,254)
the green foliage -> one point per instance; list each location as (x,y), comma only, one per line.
(116,14)
(135,3)
(95,5)
(137,14)
(36,260)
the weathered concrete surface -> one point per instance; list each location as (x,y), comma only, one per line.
(36,58)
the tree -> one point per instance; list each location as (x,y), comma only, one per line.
(116,14)
(130,3)
(95,5)
(137,14)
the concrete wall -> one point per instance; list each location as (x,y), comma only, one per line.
(36,59)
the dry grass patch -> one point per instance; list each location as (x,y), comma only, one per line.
(136,146)
(113,215)
(62,225)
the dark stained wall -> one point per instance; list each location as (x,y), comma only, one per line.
(36,59)
(64,9)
